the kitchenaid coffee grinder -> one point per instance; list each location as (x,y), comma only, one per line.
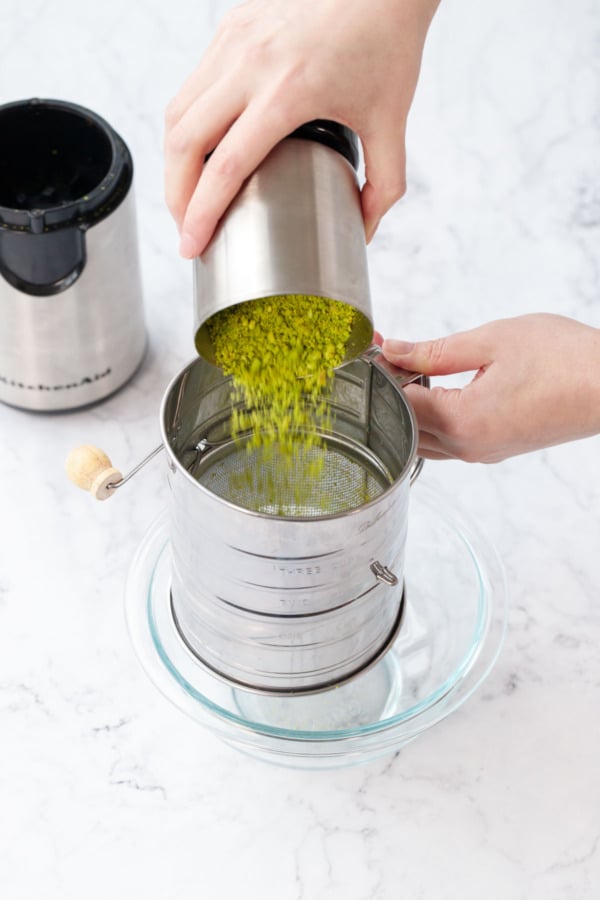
(71,314)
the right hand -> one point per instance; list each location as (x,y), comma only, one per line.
(536,384)
(276,64)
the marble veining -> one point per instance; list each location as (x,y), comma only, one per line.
(107,790)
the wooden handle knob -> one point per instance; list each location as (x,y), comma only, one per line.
(91,469)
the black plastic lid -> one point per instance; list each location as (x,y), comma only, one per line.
(61,165)
(333,135)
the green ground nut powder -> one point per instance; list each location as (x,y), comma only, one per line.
(281,352)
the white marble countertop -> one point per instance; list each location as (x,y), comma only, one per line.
(106,790)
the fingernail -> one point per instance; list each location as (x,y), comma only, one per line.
(187,246)
(398,348)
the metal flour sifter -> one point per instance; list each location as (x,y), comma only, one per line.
(275,595)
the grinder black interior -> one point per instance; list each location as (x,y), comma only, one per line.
(49,157)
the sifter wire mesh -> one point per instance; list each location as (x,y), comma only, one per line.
(332,477)
(362,441)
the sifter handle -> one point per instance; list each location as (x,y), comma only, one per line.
(90,469)
(402,377)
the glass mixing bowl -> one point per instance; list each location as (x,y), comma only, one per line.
(452,631)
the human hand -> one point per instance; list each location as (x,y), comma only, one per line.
(537,383)
(276,64)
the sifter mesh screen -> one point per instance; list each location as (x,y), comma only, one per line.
(332,478)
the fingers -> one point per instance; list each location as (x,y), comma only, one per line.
(204,76)
(437,410)
(451,424)
(385,171)
(222,60)
(438,414)
(430,446)
(188,142)
(429,449)
(240,151)
(462,352)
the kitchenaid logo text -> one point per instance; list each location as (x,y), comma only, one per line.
(87,379)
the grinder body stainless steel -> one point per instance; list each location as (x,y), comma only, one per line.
(76,347)
(295,227)
(72,325)
(285,603)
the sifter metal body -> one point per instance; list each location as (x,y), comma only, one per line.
(305,598)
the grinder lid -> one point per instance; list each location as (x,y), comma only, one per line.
(332,134)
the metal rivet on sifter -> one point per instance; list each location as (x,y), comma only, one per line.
(382,573)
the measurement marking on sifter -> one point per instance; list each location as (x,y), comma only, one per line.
(279,560)
(297,570)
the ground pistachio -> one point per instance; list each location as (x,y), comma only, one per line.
(281,352)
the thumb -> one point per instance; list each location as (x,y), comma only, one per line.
(385,172)
(464,351)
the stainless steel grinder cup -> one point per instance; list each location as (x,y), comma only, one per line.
(295,227)
(71,316)
(303,598)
